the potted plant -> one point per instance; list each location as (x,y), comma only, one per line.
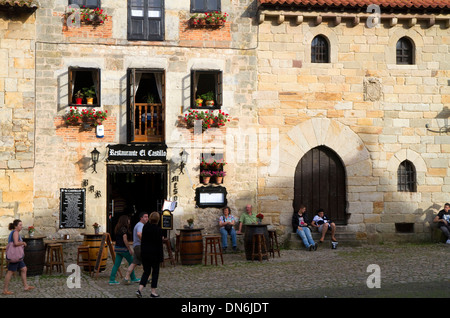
(31,230)
(206,176)
(89,93)
(209,98)
(96,227)
(72,117)
(78,97)
(260,217)
(219,176)
(190,223)
(150,98)
(199,101)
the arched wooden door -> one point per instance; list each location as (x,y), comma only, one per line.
(320,182)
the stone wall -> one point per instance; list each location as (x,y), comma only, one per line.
(17,101)
(364,106)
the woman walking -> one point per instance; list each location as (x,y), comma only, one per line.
(14,236)
(151,253)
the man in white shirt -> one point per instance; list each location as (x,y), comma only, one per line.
(324,224)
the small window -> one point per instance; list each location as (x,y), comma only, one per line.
(405,51)
(87,82)
(146,20)
(92,4)
(320,50)
(204,83)
(205,5)
(406,177)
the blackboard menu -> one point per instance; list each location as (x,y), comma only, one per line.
(167,221)
(72,208)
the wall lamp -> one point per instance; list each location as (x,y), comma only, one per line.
(443,129)
(183,159)
(94,157)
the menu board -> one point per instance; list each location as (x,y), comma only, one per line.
(167,220)
(72,208)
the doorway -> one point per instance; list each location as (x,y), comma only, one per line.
(133,189)
(320,182)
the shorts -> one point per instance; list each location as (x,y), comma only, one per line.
(137,255)
(14,267)
(321,227)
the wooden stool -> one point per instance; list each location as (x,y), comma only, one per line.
(273,243)
(215,248)
(166,242)
(55,257)
(259,241)
(2,257)
(177,247)
(83,250)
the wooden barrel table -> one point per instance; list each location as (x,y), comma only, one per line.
(94,242)
(191,246)
(251,229)
(34,257)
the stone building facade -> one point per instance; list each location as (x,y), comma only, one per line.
(17,112)
(370,117)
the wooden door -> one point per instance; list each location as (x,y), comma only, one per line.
(320,182)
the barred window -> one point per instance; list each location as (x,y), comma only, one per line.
(406,177)
(320,50)
(405,51)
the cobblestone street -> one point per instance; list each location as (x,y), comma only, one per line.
(406,270)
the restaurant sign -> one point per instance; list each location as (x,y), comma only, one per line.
(137,152)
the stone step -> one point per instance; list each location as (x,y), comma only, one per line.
(343,236)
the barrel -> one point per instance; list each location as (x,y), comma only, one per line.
(191,247)
(34,257)
(94,243)
(251,229)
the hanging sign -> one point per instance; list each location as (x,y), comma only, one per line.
(137,152)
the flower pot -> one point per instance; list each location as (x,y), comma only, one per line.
(210,103)
(220,22)
(90,100)
(201,22)
(206,180)
(219,179)
(79,101)
(96,230)
(31,234)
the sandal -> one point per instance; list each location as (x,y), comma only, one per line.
(8,292)
(29,288)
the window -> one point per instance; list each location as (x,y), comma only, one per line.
(87,82)
(146,20)
(406,177)
(206,82)
(405,51)
(320,50)
(92,4)
(205,5)
(146,105)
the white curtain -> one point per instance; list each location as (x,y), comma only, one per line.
(158,80)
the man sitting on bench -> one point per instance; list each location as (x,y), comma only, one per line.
(324,224)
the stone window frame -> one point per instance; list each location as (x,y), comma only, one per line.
(391,49)
(97,84)
(406,177)
(394,162)
(310,33)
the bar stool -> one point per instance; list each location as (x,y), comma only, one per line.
(55,257)
(83,250)
(273,243)
(177,247)
(215,248)
(166,243)
(3,250)
(259,241)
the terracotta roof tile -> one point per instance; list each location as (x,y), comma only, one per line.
(364,3)
(20,3)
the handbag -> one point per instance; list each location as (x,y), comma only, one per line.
(14,254)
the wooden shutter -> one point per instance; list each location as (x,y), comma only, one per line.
(219,89)
(146,20)
(205,5)
(131,104)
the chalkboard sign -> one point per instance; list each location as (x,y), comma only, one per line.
(72,208)
(167,220)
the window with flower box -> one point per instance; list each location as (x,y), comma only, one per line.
(84,83)
(206,86)
(212,168)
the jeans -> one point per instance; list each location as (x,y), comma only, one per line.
(224,234)
(446,229)
(305,235)
(119,257)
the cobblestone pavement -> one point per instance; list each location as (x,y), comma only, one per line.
(406,270)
